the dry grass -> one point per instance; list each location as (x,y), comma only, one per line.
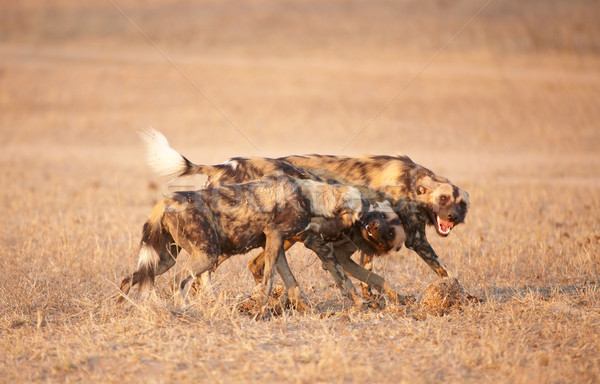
(509,112)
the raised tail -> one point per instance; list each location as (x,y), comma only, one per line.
(151,245)
(164,160)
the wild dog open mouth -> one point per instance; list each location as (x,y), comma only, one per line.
(443,227)
(369,234)
(367,229)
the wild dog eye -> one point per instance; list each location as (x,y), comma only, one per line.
(443,197)
(463,205)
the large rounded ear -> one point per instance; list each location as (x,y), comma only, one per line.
(421,190)
(465,197)
(425,185)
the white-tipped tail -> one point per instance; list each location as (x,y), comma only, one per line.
(148,257)
(163,159)
(147,264)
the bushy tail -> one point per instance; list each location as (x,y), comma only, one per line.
(163,159)
(151,245)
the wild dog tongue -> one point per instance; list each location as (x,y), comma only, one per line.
(445,226)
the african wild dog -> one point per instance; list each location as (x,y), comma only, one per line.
(419,196)
(230,220)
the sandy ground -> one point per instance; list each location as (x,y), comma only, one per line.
(506,107)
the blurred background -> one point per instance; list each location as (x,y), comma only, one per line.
(501,96)
(437,80)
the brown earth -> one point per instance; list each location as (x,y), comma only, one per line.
(508,110)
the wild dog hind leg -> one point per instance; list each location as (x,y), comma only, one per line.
(257,264)
(272,252)
(293,289)
(165,249)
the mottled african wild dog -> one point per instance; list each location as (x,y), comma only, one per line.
(419,196)
(230,220)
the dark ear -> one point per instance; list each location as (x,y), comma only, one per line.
(425,185)
(421,190)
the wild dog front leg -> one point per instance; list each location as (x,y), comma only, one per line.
(417,241)
(325,252)
(426,252)
(366,261)
(428,255)
(343,255)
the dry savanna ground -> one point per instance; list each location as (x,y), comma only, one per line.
(508,110)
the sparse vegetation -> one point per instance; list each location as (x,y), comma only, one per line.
(509,112)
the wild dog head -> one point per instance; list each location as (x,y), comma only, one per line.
(446,203)
(381,227)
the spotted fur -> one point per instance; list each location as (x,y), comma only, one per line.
(418,196)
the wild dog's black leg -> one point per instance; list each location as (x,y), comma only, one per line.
(417,241)
(426,252)
(366,261)
(343,253)
(183,284)
(325,252)
(202,261)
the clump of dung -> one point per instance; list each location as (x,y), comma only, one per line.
(275,305)
(443,296)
